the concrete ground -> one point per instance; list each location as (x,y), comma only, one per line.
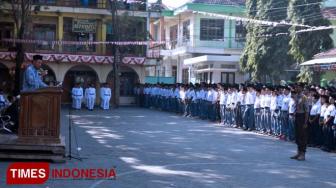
(152,149)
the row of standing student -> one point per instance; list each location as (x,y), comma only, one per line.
(88,96)
(267,110)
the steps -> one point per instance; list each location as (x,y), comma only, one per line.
(11,149)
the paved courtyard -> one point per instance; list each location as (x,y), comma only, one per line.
(152,149)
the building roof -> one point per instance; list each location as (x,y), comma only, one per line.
(329,53)
(221,2)
(329,13)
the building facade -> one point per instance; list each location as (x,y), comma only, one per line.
(76,23)
(200,47)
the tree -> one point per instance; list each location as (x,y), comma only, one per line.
(21,12)
(246,59)
(266,57)
(304,46)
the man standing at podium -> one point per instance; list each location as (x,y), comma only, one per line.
(31,78)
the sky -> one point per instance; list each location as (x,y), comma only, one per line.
(172,3)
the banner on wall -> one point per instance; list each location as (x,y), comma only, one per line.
(84,26)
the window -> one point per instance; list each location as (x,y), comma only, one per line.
(240,31)
(185,76)
(109,32)
(173,36)
(205,77)
(44,2)
(186,31)
(174,72)
(228,77)
(156,33)
(45,32)
(210,80)
(6,31)
(212,29)
(70,35)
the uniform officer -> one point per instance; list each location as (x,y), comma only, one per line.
(301,123)
(105,97)
(77,97)
(90,96)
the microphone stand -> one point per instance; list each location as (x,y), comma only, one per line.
(70,156)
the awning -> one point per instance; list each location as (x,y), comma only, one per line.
(319,61)
(211,58)
(216,69)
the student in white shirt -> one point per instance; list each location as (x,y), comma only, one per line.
(275,113)
(249,109)
(214,104)
(181,100)
(229,107)
(267,110)
(291,121)
(284,113)
(329,115)
(240,107)
(257,111)
(315,132)
(222,103)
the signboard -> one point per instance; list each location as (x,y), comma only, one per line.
(84,26)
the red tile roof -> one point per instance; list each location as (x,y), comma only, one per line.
(329,13)
(221,2)
(329,53)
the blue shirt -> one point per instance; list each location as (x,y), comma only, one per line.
(32,80)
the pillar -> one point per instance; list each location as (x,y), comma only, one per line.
(60,30)
(101,36)
(179,70)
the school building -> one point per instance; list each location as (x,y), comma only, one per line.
(69,62)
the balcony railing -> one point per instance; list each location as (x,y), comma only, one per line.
(80,49)
(101,4)
(236,44)
(73,3)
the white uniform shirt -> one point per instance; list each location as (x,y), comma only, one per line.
(292,106)
(262,101)
(241,98)
(223,98)
(330,111)
(193,96)
(267,101)
(229,99)
(257,102)
(77,92)
(323,110)
(182,94)
(209,96)
(234,99)
(285,103)
(214,96)
(316,109)
(279,101)
(274,104)
(249,98)
(204,94)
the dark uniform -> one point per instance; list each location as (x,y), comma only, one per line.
(301,127)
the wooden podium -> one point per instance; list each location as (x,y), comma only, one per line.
(40,116)
(39,128)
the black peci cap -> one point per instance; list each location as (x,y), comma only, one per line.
(37,57)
